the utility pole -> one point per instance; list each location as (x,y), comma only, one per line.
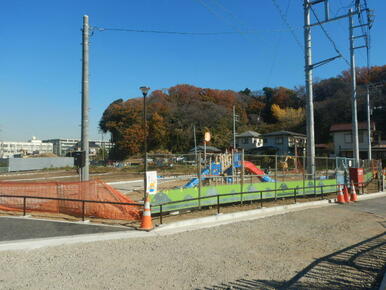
(195,141)
(309,92)
(354,116)
(85,107)
(309,66)
(369,155)
(235,118)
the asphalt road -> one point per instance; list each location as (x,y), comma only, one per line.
(374,206)
(23,228)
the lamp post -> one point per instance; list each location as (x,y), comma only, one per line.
(144,91)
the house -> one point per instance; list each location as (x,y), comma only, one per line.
(285,142)
(342,138)
(249,140)
(209,149)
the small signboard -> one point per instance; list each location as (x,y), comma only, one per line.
(207,136)
(151,182)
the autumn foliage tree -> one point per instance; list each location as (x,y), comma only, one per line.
(173,112)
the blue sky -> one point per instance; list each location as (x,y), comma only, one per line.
(40,54)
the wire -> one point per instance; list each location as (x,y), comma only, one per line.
(203,3)
(160,31)
(284,18)
(96,28)
(328,36)
(276,51)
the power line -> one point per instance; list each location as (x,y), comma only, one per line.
(203,3)
(328,36)
(284,18)
(96,28)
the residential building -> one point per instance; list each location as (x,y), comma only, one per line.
(202,149)
(64,147)
(285,142)
(249,140)
(342,138)
(10,149)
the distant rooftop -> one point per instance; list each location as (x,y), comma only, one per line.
(249,134)
(348,126)
(279,133)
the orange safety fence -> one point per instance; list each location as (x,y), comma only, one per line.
(94,190)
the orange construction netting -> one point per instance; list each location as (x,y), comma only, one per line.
(91,190)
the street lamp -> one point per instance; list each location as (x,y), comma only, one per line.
(144,91)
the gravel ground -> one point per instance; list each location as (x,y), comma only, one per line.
(331,248)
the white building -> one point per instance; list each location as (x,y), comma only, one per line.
(63,146)
(343,143)
(10,149)
(249,140)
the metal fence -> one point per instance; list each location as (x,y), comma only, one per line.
(188,176)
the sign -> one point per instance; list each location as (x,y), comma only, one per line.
(151,182)
(207,136)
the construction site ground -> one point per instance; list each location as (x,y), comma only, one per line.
(333,247)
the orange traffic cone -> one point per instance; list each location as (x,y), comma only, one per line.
(346,195)
(353,196)
(147,223)
(340,198)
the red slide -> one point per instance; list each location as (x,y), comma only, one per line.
(252,168)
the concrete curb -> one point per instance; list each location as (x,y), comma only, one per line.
(222,219)
(217,220)
(372,195)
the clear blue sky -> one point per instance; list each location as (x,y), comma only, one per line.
(40,54)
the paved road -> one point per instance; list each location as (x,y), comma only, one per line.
(23,228)
(334,247)
(374,206)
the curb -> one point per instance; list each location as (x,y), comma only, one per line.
(235,217)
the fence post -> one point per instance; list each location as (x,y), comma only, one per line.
(24,205)
(321,192)
(82,210)
(160,214)
(261,199)
(295,195)
(275,175)
(218,204)
(199,180)
(242,175)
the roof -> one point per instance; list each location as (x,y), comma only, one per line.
(248,134)
(278,133)
(348,127)
(208,149)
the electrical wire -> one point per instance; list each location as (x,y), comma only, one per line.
(96,28)
(328,36)
(285,20)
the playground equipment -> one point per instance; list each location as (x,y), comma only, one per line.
(260,173)
(223,166)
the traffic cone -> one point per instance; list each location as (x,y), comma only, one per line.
(346,195)
(340,198)
(353,196)
(147,223)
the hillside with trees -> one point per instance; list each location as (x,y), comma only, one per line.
(173,112)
